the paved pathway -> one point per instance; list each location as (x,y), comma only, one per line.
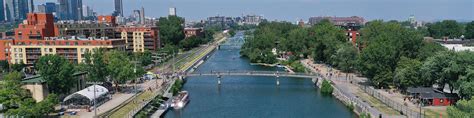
(342,83)
(116,100)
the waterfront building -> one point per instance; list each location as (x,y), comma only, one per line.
(339,21)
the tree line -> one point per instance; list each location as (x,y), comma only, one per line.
(450,29)
(387,53)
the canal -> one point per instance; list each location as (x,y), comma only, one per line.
(256,97)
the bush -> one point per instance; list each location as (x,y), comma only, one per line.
(177,86)
(326,88)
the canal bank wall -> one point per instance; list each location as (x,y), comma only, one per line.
(189,68)
(350,100)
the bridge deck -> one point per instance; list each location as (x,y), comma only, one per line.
(254,73)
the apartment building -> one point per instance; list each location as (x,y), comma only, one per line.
(29,51)
(140,38)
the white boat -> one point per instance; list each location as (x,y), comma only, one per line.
(180,100)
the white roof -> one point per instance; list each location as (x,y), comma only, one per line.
(89,92)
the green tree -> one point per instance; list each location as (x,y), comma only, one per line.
(18,67)
(96,66)
(57,72)
(407,73)
(145,58)
(4,66)
(383,45)
(429,49)
(326,87)
(191,42)
(121,67)
(445,28)
(345,57)
(466,88)
(29,108)
(296,41)
(171,29)
(462,109)
(325,37)
(469,30)
(11,93)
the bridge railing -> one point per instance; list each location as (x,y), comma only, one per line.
(254,72)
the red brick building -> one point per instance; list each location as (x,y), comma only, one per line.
(36,27)
(188,32)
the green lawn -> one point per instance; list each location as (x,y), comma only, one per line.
(123,112)
(378,104)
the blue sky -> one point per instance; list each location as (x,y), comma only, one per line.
(292,10)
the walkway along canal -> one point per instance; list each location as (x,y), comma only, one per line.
(253,96)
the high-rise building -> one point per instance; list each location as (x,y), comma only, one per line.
(142,16)
(76,9)
(70,9)
(2,12)
(172,11)
(50,7)
(63,9)
(16,10)
(118,8)
(136,15)
(31,6)
(41,8)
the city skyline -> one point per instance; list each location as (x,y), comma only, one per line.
(293,10)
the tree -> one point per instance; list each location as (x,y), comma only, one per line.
(325,37)
(191,42)
(4,66)
(232,32)
(57,72)
(345,57)
(171,29)
(407,73)
(433,68)
(121,68)
(469,30)
(145,58)
(18,67)
(95,65)
(445,28)
(462,109)
(296,41)
(466,87)
(429,49)
(383,45)
(29,108)
(11,93)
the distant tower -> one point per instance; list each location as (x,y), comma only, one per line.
(142,16)
(2,13)
(301,23)
(172,11)
(119,8)
(412,19)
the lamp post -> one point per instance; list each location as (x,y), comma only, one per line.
(95,103)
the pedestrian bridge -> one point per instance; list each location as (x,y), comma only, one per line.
(219,74)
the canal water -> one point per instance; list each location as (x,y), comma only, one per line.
(253,97)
